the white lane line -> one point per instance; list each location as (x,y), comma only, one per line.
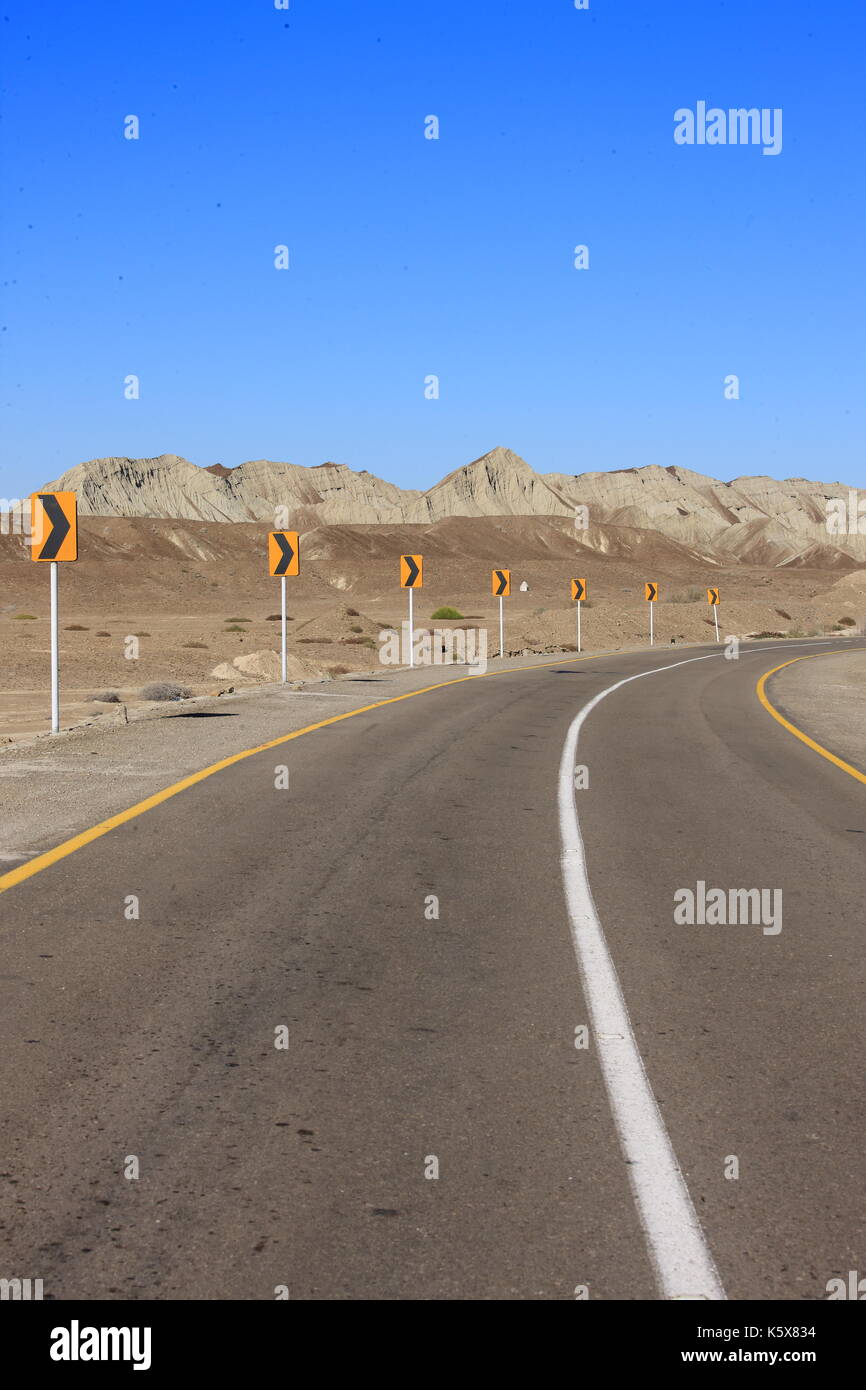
(678,1249)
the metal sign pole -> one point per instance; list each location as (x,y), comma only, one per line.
(55,652)
(283,622)
(501,628)
(411,629)
(716,616)
(651,622)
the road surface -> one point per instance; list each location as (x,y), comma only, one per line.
(418,1042)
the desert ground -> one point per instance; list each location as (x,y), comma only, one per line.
(197,597)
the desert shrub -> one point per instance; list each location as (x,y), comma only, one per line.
(795,632)
(356,627)
(846,622)
(102,634)
(164,690)
(238,620)
(688,596)
(235,628)
(758,635)
(200,646)
(28,617)
(338,670)
(141,634)
(76,627)
(317,641)
(352,613)
(277,617)
(782,614)
(105,697)
(359,642)
(449,614)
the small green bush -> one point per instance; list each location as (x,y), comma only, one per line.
(449,614)
(846,622)
(28,617)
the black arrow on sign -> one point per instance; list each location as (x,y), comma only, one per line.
(288,554)
(502,582)
(578,589)
(652,591)
(60,526)
(413,571)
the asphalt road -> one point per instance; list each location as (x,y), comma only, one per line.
(413,1038)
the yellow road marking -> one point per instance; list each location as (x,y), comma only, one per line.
(792,728)
(86,837)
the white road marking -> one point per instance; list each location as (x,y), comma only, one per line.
(678,1249)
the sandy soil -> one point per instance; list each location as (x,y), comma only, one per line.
(196,597)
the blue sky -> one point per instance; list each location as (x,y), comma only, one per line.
(411,257)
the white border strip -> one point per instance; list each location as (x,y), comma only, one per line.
(678,1249)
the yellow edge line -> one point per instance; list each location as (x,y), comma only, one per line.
(792,728)
(86,837)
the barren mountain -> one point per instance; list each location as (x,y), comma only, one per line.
(170,486)
(754,521)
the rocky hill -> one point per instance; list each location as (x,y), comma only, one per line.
(755,521)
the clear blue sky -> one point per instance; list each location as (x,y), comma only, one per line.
(412,257)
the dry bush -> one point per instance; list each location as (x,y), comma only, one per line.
(165,690)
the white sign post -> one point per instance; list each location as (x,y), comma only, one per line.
(283,623)
(53,541)
(55,651)
(411,628)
